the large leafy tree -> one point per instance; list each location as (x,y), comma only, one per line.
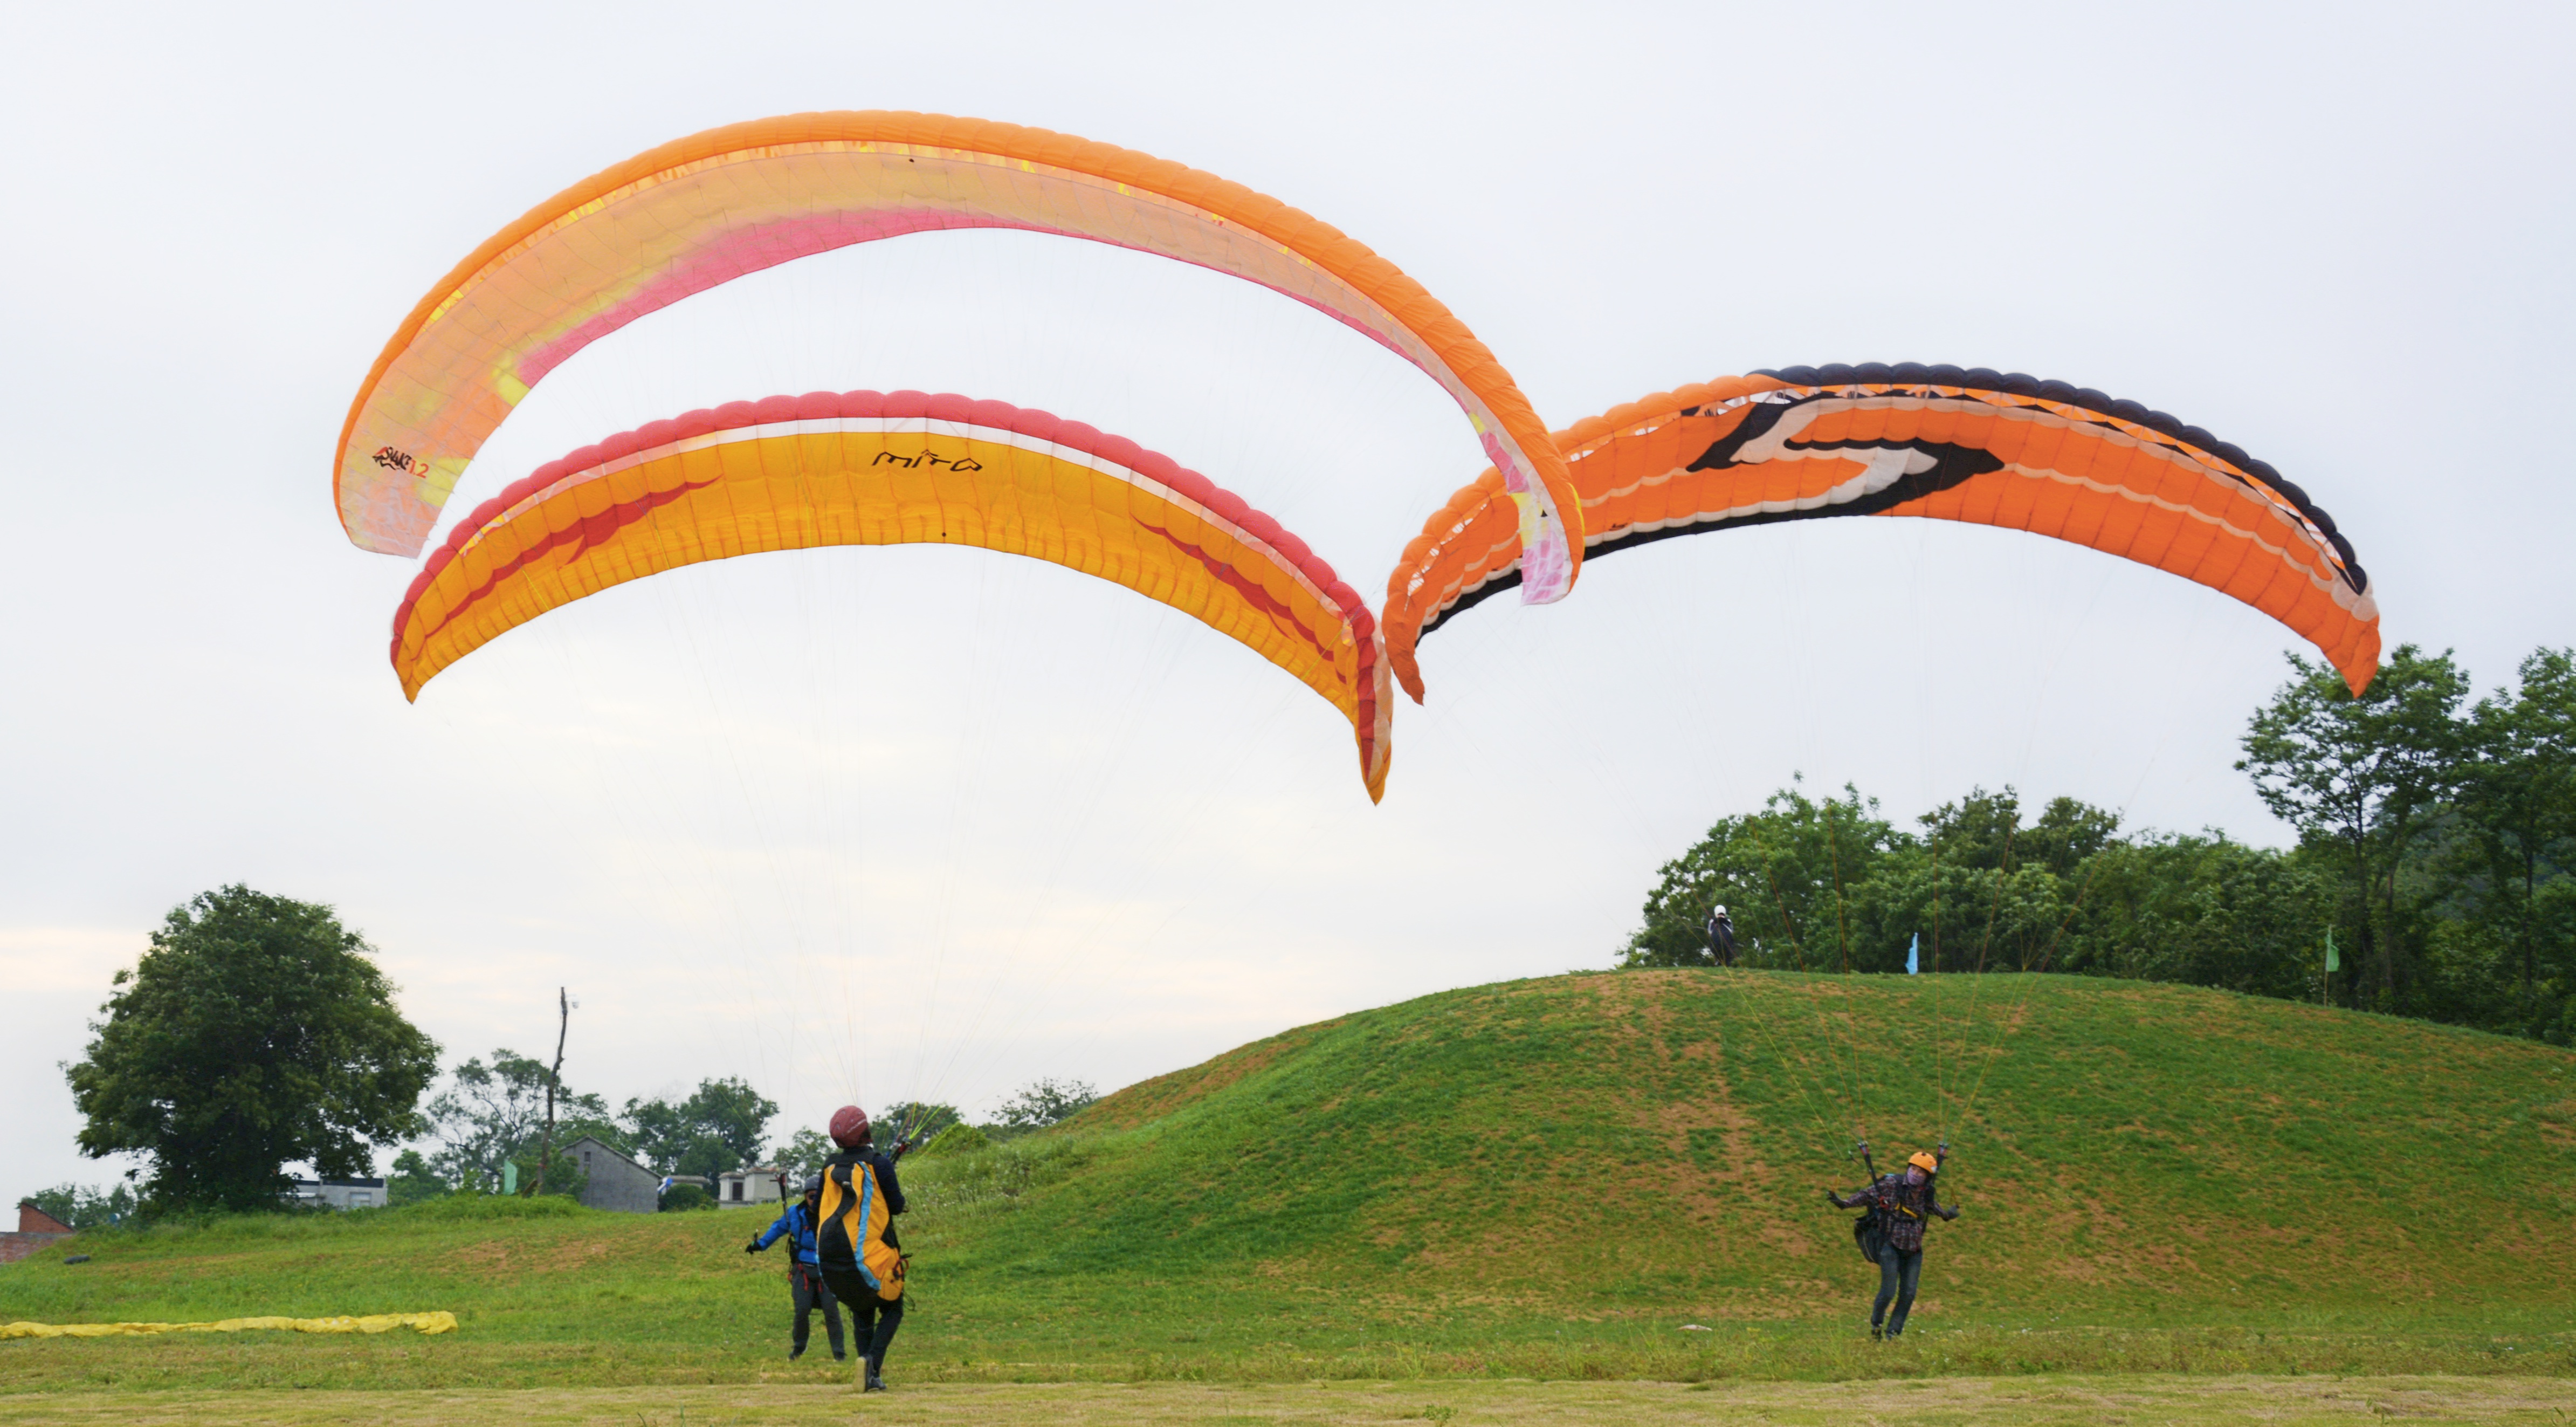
(1786,876)
(255,1033)
(2512,862)
(2367,775)
(719,1127)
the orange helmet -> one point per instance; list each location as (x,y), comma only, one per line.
(1924,1162)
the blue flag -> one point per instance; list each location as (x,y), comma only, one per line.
(1911,949)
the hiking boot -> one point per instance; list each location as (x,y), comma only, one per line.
(875,1384)
(794,1353)
(1877,1333)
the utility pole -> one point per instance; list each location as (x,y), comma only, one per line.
(554,1077)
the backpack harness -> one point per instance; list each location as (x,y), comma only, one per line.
(853,1224)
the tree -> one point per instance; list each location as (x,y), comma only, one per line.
(554,1077)
(1980,833)
(718,1128)
(2517,830)
(1785,875)
(734,1114)
(494,1115)
(922,1122)
(1041,1103)
(2367,775)
(254,1033)
(83,1207)
(2439,847)
(2202,910)
(805,1152)
(413,1180)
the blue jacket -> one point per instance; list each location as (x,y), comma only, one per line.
(798,1220)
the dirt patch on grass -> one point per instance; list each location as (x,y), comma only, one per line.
(493,1256)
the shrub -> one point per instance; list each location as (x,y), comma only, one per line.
(685,1196)
(956,1139)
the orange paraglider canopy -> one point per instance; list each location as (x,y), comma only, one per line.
(703,210)
(860,468)
(1975,446)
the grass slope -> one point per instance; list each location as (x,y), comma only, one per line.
(1547,1178)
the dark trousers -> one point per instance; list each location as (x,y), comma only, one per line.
(1898,1273)
(810,1294)
(870,1337)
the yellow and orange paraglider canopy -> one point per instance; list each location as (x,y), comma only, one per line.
(1972,446)
(703,210)
(861,468)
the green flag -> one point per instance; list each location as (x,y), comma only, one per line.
(2333,963)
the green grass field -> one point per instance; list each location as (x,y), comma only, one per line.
(1536,1180)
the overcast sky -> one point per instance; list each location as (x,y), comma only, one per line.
(929,822)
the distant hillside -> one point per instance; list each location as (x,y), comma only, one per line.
(1546,1178)
(1661,1137)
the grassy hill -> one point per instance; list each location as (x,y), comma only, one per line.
(1547,1178)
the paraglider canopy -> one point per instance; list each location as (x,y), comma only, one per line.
(1979,447)
(864,468)
(703,210)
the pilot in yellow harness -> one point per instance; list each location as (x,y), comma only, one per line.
(855,1243)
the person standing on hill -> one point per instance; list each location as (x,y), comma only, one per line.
(861,1259)
(1721,937)
(1899,1206)
(804,1270)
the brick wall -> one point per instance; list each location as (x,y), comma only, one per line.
(14,1247)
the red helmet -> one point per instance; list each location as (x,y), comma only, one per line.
(849,1127)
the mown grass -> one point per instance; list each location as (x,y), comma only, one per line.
(1542,1179)
(2041,1401)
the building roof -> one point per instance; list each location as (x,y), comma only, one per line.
(606,1148)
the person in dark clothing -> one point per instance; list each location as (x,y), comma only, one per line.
(1721,937)
(804,1271)
(850,1217)
(1899,1206)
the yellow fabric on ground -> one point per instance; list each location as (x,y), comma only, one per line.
(441,1322)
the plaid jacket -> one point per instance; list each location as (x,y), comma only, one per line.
(1902,1208)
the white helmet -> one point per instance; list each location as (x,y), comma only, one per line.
(1721,911)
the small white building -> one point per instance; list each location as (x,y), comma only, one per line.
(341,1193)
(743,1188)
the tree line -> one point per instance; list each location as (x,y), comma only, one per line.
(257,1032)
(488,1133)
(2437,837)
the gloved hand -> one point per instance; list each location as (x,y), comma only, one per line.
(752,1248)
(1834,1199)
